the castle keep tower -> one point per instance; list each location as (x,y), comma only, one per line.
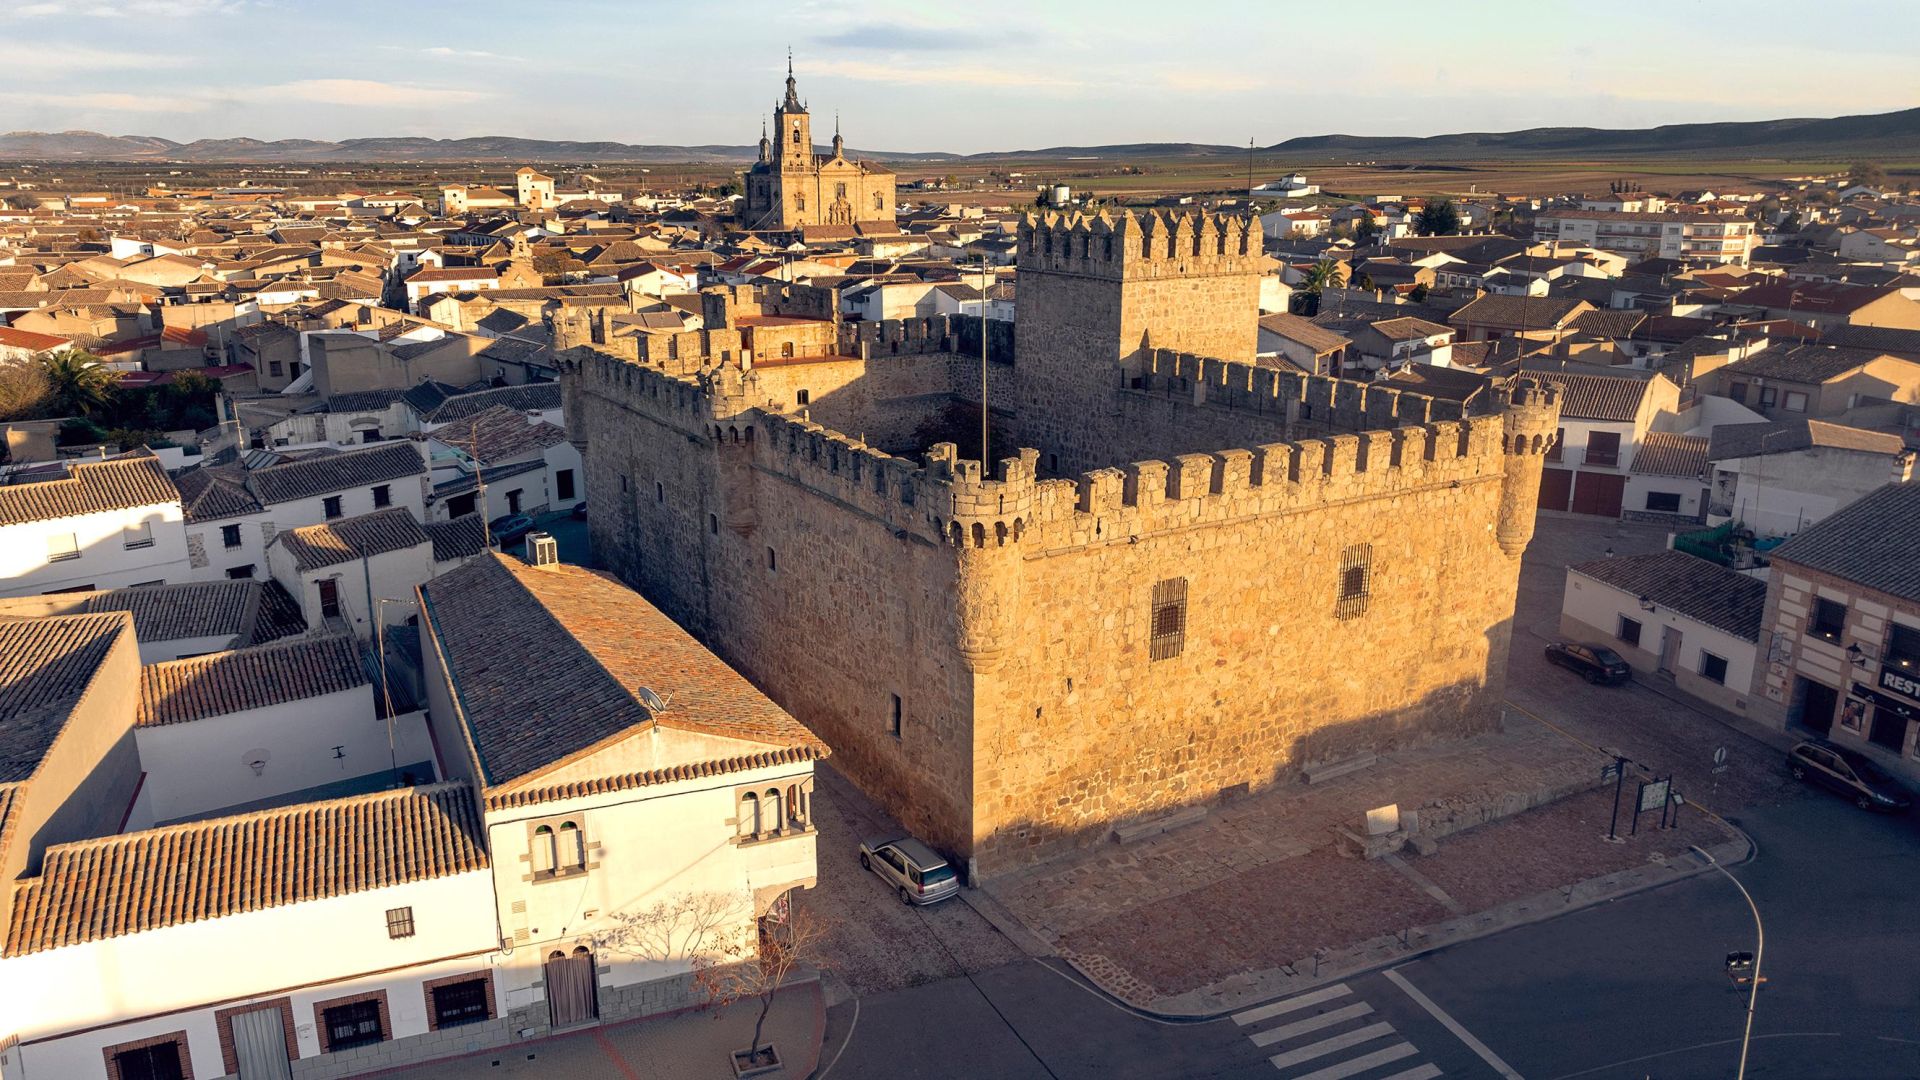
(1096,291)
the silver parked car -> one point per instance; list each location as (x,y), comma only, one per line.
(917,873)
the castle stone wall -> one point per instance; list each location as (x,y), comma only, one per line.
(1345,556)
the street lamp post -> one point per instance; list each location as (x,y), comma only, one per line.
(1759,954)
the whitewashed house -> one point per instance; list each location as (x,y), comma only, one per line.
(1779,478)
(234,512)
(1671,615)
(528,465)
(344,573)
(209,871)
(104,525)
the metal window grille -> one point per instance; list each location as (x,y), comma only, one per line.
(400,922)
(1169,630)
(357,1024)
(1356,581)
(460,1003)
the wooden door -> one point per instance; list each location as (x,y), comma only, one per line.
(1556,487)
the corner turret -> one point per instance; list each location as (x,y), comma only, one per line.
(1529,428)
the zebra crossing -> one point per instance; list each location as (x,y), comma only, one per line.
(1329,1034)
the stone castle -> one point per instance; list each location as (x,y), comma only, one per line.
(1196,576)
(791,186)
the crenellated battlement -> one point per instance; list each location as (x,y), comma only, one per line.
(1395,445)
(1120,245)
(1339,403)
(1199,490)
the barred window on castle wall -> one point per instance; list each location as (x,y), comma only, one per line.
(1356,581)
(1168,634)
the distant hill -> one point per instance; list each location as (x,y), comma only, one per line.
(1883,134)
(1895,135)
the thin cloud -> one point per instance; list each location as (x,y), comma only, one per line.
(447,52)
(121,9)
(978,75)
(108,101)
(56,56)
(367,93)
(899,37)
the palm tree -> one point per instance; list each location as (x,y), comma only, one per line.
(1326,274)
(80,384)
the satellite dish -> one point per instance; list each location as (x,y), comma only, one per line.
(654,702)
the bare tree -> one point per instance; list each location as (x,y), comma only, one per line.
(756,962)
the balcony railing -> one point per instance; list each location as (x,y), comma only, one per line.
(1609,459)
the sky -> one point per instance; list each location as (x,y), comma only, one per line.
(967,77)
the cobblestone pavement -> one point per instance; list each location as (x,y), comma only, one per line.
(874,942)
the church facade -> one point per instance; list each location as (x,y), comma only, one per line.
(791,186)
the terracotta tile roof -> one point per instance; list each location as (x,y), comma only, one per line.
(27,339)
(1692,586)
(526,398)
(178,691)
(336,472)
(1596,397)
(545,664)
(365,400)
(497,433)
(210,493)
(1814,298)
(1663,453)
(579,789)
(1515,312)
(45,665)
(90,487)
(160,612)
(457,539)
(1609,323)
(278,615)
(1304,331)
(1787,436)
(1869,542)
(1407,329)
(1802,363)
(334,542)
(1884,339)
(117,885)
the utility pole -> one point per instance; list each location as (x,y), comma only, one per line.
(985,465)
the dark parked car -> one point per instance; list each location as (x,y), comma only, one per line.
(1847,773)
(509,530)
(1594,663)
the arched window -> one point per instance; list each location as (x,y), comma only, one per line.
(771,802)
(573,848)
(543,850)
(749,815)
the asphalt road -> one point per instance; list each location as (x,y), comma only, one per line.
(1624,991)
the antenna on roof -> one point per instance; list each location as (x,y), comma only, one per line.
(654,702)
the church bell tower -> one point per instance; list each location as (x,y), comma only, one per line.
(793,129)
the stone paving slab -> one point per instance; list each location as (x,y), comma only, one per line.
(1258,899)
(1292,821)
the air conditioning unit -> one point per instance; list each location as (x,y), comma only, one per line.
(542,549)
